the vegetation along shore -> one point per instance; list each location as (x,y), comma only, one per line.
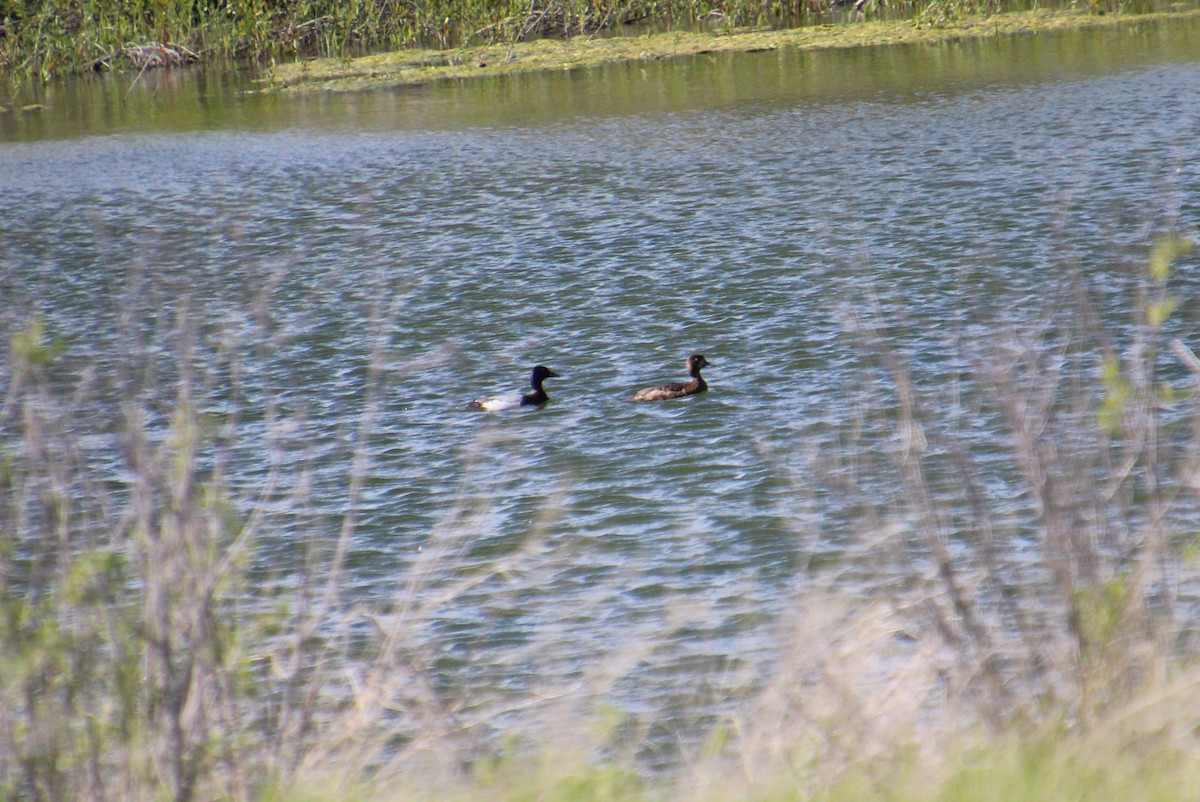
(370,44)
(417,66)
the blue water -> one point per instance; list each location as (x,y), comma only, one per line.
(413,251)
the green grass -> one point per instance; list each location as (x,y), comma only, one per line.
(414,66)
(997,769)
(46,40)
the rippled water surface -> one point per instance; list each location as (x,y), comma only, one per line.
(605,224)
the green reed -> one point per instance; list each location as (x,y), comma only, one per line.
(46,40)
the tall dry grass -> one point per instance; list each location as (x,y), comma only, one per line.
(147,653)
(1075,604)
(1029,628)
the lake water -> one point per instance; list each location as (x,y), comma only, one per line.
(605,223)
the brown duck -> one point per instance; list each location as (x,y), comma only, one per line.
(678,389)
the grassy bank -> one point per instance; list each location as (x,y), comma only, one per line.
(150,648)
(46,40)
(416,66)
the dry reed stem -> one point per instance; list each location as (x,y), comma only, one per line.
(137,607)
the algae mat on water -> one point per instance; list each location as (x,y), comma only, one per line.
(410,67)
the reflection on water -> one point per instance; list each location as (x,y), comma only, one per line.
(606,224)
(185,100)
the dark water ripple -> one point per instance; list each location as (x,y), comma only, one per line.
(608,247)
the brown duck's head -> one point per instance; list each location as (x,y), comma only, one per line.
(694,363)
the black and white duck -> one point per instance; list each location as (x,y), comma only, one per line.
(534,398)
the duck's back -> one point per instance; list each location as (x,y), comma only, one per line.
(672,390)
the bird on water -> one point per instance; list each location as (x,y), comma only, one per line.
(678,389)
(534,398)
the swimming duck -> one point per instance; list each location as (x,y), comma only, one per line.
(678,389)
(534,398)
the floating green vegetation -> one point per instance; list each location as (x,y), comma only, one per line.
(418,66)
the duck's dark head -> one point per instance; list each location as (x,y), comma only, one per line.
(694,363)
(540,373)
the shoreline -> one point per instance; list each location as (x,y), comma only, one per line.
(417,67)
